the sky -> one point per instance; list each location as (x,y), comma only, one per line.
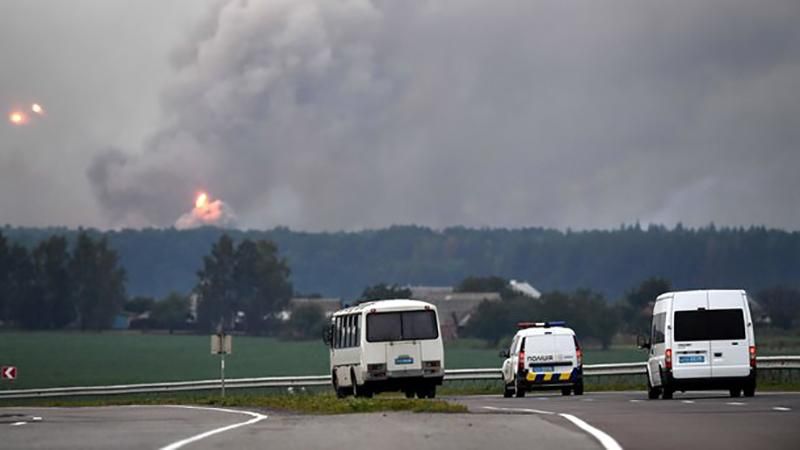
(354,114)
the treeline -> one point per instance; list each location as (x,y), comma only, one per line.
(592,316)
(159,261)
(55,285)
(81,285)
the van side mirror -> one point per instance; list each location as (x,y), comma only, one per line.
(504,354)
(642,342)
(327,335)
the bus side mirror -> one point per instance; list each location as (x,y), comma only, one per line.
(642,342)
(327,335)
(504,354)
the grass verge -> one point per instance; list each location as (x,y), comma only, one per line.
(300,403)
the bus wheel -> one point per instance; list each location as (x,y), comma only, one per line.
(359,391)
(341,392)
(431,391)
(426,391)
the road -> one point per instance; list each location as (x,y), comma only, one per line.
(704,420)
(593,421)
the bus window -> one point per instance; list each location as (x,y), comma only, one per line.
(398,326)
(358,330)
(383,327)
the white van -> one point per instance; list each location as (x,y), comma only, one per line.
(386,345)
(701,340)
(543,355)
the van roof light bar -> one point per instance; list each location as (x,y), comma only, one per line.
(554,323)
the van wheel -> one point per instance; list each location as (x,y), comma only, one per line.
(750,390)
(735,393)
(578,388)
(519,392)
(667,394)
(508,391)
(652,392)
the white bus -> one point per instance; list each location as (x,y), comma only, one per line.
(386,345)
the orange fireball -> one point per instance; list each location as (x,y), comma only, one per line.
(17,118)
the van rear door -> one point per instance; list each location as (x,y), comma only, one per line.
(690,341)
(727,326)
(550,353)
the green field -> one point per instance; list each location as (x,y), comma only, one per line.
(83,359)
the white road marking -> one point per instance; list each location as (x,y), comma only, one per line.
(16,424)
(688,402)
(736,403)
(634,401)
(36,418)
(605,440)
(525,410)
(176,445)
(781,408)
(587,400)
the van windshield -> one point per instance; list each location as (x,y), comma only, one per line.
(709,325)
(402,326)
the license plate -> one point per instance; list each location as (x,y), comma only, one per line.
(404,360)
(691,359)
(542,369)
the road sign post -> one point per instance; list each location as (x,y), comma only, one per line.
(221,344)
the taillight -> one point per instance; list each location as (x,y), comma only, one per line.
(579,355)
(668,359)
(753,356)
(521,360)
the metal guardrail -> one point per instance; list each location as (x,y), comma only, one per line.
(637,368)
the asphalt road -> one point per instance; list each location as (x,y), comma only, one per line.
(697,420)
(694,420)
(120,427)
(165,427)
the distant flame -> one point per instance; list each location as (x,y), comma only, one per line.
(207,212)
(37,108)
(17,118)
(201,201)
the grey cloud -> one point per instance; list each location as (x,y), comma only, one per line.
(352,114)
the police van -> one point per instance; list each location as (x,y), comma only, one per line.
(543,355)
(701,340)
(386,345)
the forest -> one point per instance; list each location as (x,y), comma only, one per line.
(342,264)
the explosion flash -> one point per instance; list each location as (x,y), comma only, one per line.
(18,118)
(201,201)
(37,108)
(207,212)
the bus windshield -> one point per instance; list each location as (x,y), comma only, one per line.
(402,326)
